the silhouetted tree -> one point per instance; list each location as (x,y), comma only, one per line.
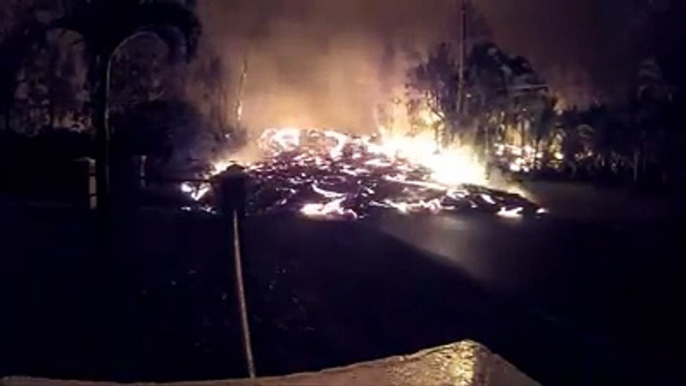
(16,45)
(545,121)
(136,76)
(487,84)
(108,25)
(65,93)
(504,92)
(651,104)
(174,135)
(435,80)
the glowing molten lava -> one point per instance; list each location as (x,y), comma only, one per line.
(326,174)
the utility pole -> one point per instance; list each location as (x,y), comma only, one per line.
(241,88)
(463,54)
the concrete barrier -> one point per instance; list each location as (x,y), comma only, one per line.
(460,364)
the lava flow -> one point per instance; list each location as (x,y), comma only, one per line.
(326,174)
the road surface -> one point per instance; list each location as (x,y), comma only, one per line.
(542,294)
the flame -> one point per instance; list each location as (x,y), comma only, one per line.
(450,166)
(326,174)
(195,192)
(511,213)
(520,159)
(333,209)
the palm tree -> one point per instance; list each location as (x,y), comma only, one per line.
(105,27)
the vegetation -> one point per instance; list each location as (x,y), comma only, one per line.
(55,74)
(508,103)
(71,64)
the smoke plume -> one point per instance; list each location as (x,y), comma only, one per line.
(328,63)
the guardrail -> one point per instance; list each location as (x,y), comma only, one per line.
(73,183)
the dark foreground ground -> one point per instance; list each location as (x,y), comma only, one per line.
(567,300)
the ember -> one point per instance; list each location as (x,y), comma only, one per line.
(326,174)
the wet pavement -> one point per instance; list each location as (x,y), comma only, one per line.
(566,301)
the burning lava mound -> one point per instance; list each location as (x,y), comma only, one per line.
(325,174)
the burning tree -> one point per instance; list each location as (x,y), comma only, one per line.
(505,99)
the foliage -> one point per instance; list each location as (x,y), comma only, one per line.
(139,75)
(49,87)
(172,133)
(46,74)
(106,25)
(640,138)
(14,48)
(505,93)
(433,84)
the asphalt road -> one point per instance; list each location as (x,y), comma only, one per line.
(567,301)
(614,277)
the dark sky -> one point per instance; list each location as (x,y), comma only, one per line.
(317,61)
(601,39)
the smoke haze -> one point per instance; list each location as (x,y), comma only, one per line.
(328,62)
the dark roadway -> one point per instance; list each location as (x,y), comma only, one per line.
(567,301)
